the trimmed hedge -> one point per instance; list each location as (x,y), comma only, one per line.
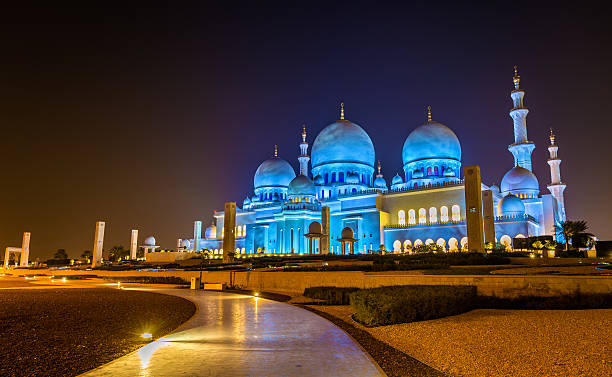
(401,304)
(331,295)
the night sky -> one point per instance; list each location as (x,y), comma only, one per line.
(150,117)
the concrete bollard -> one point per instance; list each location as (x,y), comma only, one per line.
(195,283)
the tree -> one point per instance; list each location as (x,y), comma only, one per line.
(87,254)
(117,252)
(571,229)
(60,254)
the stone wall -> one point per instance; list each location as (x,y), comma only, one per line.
(295,282)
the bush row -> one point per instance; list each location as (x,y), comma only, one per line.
(330,295)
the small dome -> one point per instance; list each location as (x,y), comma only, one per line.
(380,182)
(149,241)
(319,181)
(343,142)
(301,185)
(449,172)
(397,180)
(519,180)
(347,233)
(510,205)
(210,232)
(431,140)
(352,179)
(274,172)
(246,202)
(185,244)
(315,227)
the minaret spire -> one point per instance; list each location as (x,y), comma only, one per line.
(556,187)
(429,114)
(275,151)
(341,110)
(522,148)
(304,158)
(379,174)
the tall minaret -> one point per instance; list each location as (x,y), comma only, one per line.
(522,147)
(304,158)
(556,187)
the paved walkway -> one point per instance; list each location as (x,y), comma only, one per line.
(235,335)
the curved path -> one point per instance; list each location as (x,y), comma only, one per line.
(236,335)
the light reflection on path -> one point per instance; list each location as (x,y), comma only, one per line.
(235,335)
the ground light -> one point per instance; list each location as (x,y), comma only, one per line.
(147,336)
(256,294)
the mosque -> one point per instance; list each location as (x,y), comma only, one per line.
(426,205)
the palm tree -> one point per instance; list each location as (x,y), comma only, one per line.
(573,228)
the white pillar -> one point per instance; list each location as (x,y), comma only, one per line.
(197,235)
(98,244)
(25,249)
(134,244)
(6,257)
(178,244)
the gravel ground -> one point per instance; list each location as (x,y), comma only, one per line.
(489,342)
(65,332)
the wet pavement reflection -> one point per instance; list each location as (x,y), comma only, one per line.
(236,335)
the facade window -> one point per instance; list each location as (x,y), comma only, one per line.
(326,178)
(417,242)
(401,217)
(464,242)
(433,215)
(244,230)
(407,246)
(444,214)
(238,231)
(436,171)
(422,216)
(456,212)
(452,244)
(333,177)
(412,217)
(397,245)
(428,171)
(429,241)
(341,177)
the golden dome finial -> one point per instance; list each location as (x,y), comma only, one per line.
(552,137)
(341,110)
(378,167)
(429,113)
(275,151)
(516,79)
(304,133)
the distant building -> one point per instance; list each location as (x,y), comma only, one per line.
(426,205)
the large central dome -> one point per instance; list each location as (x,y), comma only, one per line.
(343,142)
(431,140)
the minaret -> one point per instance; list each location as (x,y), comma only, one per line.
(304,158)
(522,147)
(379,175)
(556,187)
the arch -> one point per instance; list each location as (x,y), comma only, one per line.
(401,217)
(433,215)
(456,212)
(506,241)
(422,216)
(407,246)
(411,217)
(238,231)
(341,177)
(519,236)
(464,242)
(442,243)
(216,251)
(237,250)
(444,214)
(452,244)
(429,241)
(418,242)
(397,245)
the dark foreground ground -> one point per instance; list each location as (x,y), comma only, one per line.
(65,332)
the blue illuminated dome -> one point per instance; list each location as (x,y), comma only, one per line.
(397,180)
(210,232)
(510,205)
(380,182)
(520,181)
(149,241)
(431,140)
(342,142)
(274,172)
(301,186)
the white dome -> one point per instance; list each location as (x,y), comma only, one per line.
(149,241)
(519,180)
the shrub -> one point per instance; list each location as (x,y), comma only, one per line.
(147,279)
(402,304)
(331,295)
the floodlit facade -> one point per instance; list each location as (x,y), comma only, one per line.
(425,205)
